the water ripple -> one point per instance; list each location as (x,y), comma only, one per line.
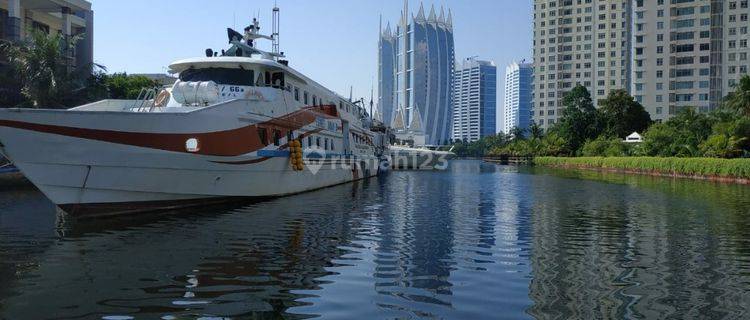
(478,241)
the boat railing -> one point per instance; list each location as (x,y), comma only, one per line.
(145,100)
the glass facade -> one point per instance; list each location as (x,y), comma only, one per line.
(519,86)
(422,73)
(386,77)
(475,100)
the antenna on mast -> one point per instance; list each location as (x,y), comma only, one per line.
(275,30)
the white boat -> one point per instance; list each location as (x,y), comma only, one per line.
(407,157)
(236,125)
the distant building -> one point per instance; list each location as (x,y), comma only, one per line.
(68,17)
(475,100)
(386,74)
(416,63)
(519,92)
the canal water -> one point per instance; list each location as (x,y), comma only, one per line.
(478,241)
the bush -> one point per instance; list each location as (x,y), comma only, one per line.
(722,146)
(604,147)
(708,167)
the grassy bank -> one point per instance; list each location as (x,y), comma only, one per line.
(704,168)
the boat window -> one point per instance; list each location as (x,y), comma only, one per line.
(276,137)
(306,98)
(277,80)
(317,142)
(315,100)
(236,77)
(309,141)
(289,136)
(263,135)
(296,93)
(267,78)
(326,144)
(332,144)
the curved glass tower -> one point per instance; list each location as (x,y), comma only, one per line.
(416,62)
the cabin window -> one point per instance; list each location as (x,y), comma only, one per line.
(332,148)
(289,136)
(309,141)
(263,136)
(267,79)
(296,93)
(326,144)
(317,142)
(235,77)
(306,96)
(315,100)
(276,137)
(277,80)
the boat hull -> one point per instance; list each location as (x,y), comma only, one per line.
(85,164)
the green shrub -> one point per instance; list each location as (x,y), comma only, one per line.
(604,147)
(730,168)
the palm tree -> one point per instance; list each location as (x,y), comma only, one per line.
(536,131)
(41,65)
(517,133)
(739,100)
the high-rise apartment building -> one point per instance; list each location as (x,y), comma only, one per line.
(579,42)
(421,48)
(669,54)
(475,100)
(67,17)
(519,86)
(688,53)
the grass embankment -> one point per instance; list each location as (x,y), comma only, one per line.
(735,170)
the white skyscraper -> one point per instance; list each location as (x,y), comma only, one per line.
(519,86)
(475,100)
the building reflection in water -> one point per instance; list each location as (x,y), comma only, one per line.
(478,241)
(666,249)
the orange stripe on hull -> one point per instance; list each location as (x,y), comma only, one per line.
(233,142)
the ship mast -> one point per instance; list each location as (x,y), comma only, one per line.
(275,30)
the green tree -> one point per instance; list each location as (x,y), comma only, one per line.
(658,140)
(517,133)
(124,86)
(42,68)
(722,146)
(579,121)
(680,136)
(553,145)
(621,115)
(739,100)
(535,131)
(604,147)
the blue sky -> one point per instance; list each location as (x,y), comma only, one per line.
(332,41)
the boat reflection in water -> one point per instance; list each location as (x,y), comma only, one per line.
(475,241)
